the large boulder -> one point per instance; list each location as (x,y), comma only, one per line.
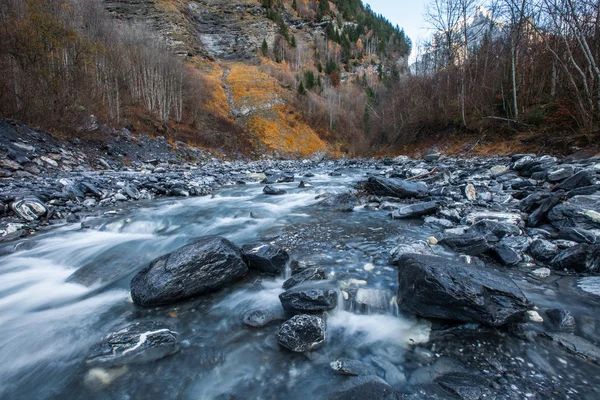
(395,187)
(435,287)
(273,191)
(135,344)
(203,266)
(578,212)
(302,333)
(309,274)
(309,298)
(265,258)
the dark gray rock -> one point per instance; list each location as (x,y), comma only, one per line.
(580,179)
(560,174)
(543,250)
(136,344)
(506,255)
(265,258)
(537,217)
(561,319)
(472,244)
(494,231)
(435,287)
(578,212)
(415,210)
(465,386)
(343,202)
(203,266)
(577,235)
(580,258)
(394,187)
(369,387)
(309,298)
(302,333)
(350,367)
(286,177)
(270,190)
(309,274)
(29,208)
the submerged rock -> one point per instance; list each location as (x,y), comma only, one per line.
(302,333)
(265,258)
(561,319)
(259,318)
(435,287)
(203,266)
(369,387)
(350,367)
(307,298)
(136,344)
(395,187)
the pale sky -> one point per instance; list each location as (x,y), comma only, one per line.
(406,14)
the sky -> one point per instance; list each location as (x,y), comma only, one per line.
(406,14)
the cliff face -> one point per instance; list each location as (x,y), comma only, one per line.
(225,41)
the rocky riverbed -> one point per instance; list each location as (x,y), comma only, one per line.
(435,278)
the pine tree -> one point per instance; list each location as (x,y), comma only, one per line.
(301,89)
(264,48)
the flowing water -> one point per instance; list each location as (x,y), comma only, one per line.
(67,289)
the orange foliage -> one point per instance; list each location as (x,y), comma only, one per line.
(282,131)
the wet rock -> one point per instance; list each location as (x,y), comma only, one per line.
(29,208)
(439,222)
(366,388)
(465,386)
(302,333)
(469,243)
(435,287)
(561,319)
(265,258)
(309,298)
(203,266)
(578,235)
(574,345)
(350,367)
(309,274)
(580,258)
(431,157)
(304,185)
(270,190)
(543,250)
(580,179)
(506,255)
(286,177)
(415,210)
(136,344)
(578,212)
(504,217)
(394,187)
(259,318)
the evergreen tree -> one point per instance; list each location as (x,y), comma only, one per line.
(301,89)
(264,48)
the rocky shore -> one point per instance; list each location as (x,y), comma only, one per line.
(494,221)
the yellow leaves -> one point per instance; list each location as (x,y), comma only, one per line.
(216,100)
(282,131)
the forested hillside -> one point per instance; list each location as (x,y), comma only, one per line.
(289,77)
